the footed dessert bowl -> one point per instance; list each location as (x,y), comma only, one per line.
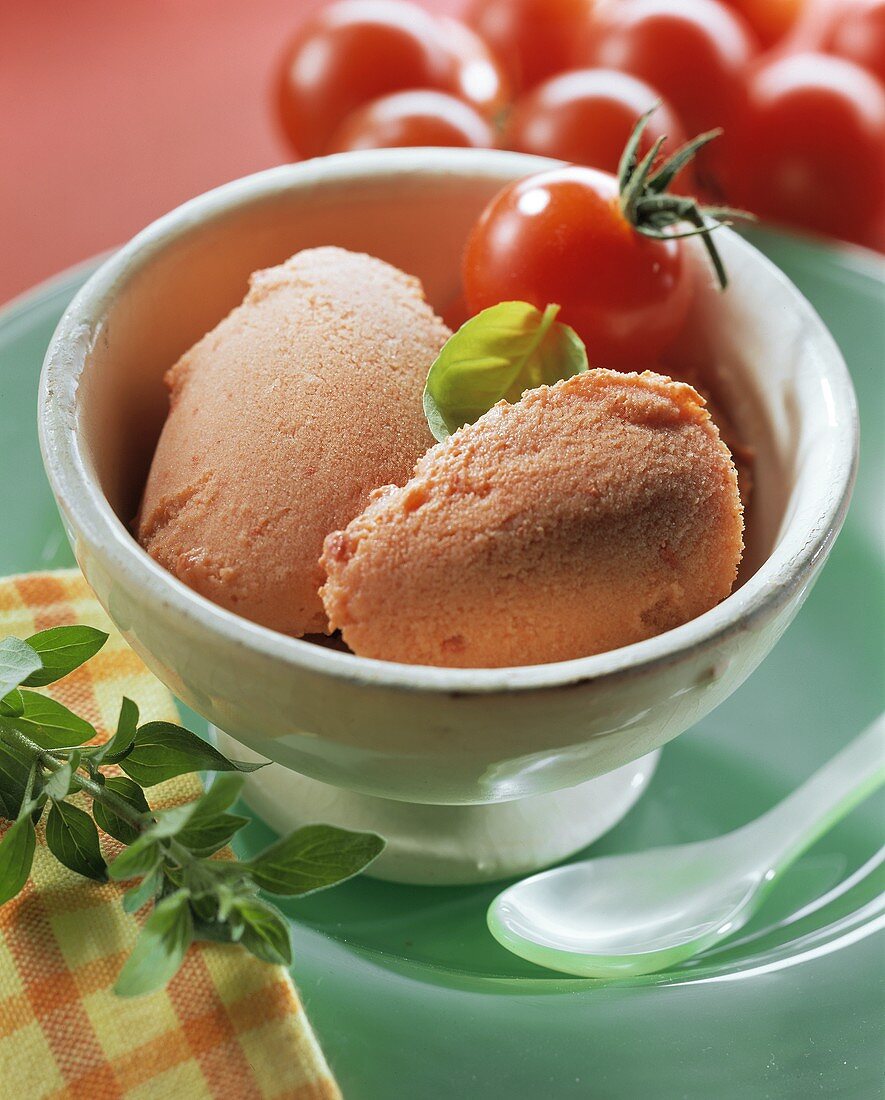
(470,774)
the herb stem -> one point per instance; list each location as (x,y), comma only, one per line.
(96,791)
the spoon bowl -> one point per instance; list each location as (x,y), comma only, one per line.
(640,913)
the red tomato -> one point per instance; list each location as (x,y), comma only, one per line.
(586,116)
(770,20)
(560,237)
(693,52)
(858,34)
(477,76)
(809,147)
(534,39)
(412,118)
(354,51)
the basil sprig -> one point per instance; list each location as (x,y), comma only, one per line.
(500,353)
(44,760)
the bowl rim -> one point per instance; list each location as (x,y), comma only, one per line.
(790,565)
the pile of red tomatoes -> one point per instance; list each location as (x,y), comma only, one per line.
(797,85)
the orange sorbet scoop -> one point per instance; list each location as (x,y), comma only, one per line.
(591,514)
(281,422)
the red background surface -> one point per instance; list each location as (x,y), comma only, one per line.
(114,111)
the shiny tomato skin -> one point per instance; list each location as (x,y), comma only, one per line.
(694,52)
(809,146)
(534,39)
(587,115)
(354,51)
(476,76)
(412,118)
(349,53)
(770,20)
(857,33)
(559,237)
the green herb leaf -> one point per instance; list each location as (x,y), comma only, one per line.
(209,827)
(16,856)
(72,838)
(265,931)
(221,793)
(120,745)
(140,858)
(12,705)
(117,827)
(170,822)
(500,353)
(15,766)
(62,649)
(145,891)
(313,858)
(60,783)
(18,662)
(51,724)
(163,750)
(205,835)
(160,949)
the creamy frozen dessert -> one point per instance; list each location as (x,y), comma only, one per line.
(282,420)
(591,514)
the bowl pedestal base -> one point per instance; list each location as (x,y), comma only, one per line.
(450,845)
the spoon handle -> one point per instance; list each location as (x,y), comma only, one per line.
(823,800)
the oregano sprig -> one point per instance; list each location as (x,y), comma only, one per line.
(45,759)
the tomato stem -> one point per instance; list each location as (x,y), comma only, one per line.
(653,211)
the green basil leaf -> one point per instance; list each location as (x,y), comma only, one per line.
(118,827)
(72,838)
(221,793)
(209,827)
(39,804)
(62,649)
(120,745)
(145,891)
(60,783)
(313,858)
(204,835)
(16,856)
(15,765)
(160,949)
(163,750)
(140,858)
(12,705)
(500,353)
(18,662)
(265,931)
(51,724)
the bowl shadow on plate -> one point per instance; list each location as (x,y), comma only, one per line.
(439,934)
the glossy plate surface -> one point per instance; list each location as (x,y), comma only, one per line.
(408,991)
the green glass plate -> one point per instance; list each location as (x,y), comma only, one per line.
(409,993)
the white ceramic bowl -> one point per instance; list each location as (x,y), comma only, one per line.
(419,734)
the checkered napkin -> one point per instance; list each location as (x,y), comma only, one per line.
(226,1026)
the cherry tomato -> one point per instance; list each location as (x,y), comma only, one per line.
(586,116)
(477,75)
(770,20)
(412,118)
(857,33)
(694,53)
(354,51)
(560,237)
(534,39)
(809,147)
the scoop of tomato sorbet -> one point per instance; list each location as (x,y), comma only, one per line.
(589,515)
(281,421)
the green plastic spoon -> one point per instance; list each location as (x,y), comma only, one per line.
(619,916)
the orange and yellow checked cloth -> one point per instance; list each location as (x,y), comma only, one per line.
(227,1026)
